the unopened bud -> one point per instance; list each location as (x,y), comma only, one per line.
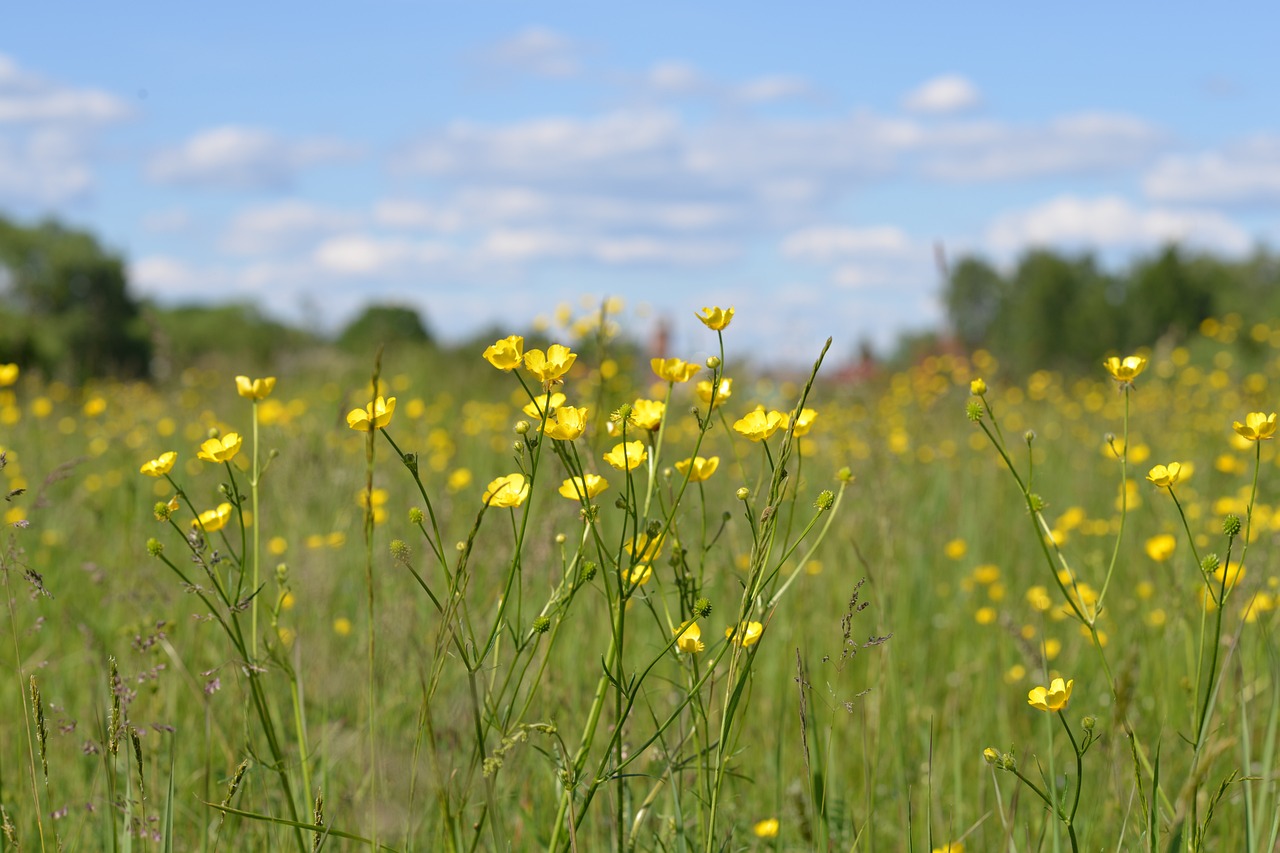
(155,547)
(541,625)
(743,493)
(415,515)
(522,427)
(1231,525)
(826,499)
(702,607)
(713,362)
(977,387)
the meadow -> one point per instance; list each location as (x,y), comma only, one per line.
(434,605)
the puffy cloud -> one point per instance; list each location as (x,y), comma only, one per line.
(773,87)
(1243,173)
(949,93)
(233,157)
(1112,222)
(540,51)
(27,98)
(282,226)
(675,77)
(827,243)
(365,255)
(44,167)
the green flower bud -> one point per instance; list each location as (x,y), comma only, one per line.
(990,755)
(974,411)
(702,607)
(1231,525)
(400,550)
(1210,563)
(588,571)
(743,493)
(1037,503)
(542,624)
(1088,723)
(522,427)
(415,515)
(826,499)
(155,547)
(845,474)
(713,362)
(560,538)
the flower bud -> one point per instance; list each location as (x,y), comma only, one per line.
(743,493)
(162,511)
(845,474)
(400,550)
(1029,436)
(1037,503)
(713,362)
(522,427)
(541,625)
(973,411)
(977,387)
(1210,563)
(1088,723)
(1231,525)
(415,515)
(990,755)
(213,432)
(702,607)
(588,571)
(155,547)
(560,538)
(826,499)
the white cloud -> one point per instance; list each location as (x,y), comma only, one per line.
(827,243)
(1113,222)
(174,220)
(1246,172)
(675,77)
(540,51)
(283,226)
(27,98)
(364,255)
(45,167)
(774,87)
(949,93)
(233,157)
(407,213)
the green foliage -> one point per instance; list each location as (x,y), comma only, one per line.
(236,334)
(66,304)
(379,325)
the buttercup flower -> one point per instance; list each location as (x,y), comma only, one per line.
(376,415)
(567,424)
(1125,369)
(723,392)
(255,389)
(673,369)
(644,549)
(534,408)
(161,465)
(759,425)
(506,354)
(767,828)
(950,847)
(977,387)
(1054,698)
(640,574)
(1160,548)
(8,374)
(1165,476)
(508,491)
(550,365)
(715,319)
(804,422)
(702,468)
(213,520)
(626,455)
(647,414)
(689,639)
(574,488)
(747,635)
(220,449)
(1257,426)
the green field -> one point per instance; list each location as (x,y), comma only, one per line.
(435,660)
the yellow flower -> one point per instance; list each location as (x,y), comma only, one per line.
(673,369)
(1160,548)
(255,389)
(750,633)
(626,455)
(1125,369)
(767,828)
(759,425)
(161,465)
(643,549)
(1165,476)
(640,574)
(506,354)
(509,491)
(702,468)
(804,422)
(950,847)
(551,365)
(977,387)
(220,449)
(376,415)
(715,319)
(647,414)
(534,409)
(723,392)
(574,488)
(955,549)
(1053,698)
(568,423)
(689,638)
(1257,426)
(213,520)
(8,374)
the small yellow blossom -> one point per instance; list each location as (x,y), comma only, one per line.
(977,387)
(8,374)
(626,455)
(955,549)
(535,407)
(804,422)
(747,635)
(550,365)
(767,828)
(1160,548)
(161,465)
(723,391)
(1125,369)
(1052,698)
(689,638)
(567,424)
(673,369)
(715,318)
(701,468)
(759,425)
(950,847)
(1038,598)
(376,415)
(221,449)
(213,520)
(643,549)
(1165,476)
(508,491)
(507,353)
(575,488)
(640,574)
(342,626)
(1256,427)
(255,389)
(648,414)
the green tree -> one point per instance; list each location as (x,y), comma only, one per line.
(974,294)
(377,325)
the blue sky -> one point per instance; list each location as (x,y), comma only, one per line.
(487,161)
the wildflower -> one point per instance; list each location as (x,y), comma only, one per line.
(569,423)
(545,402)
(8,374)
(804,421)
(1165,476)
(723,391)
(213,520)
(759,425)
(342,626)
(626,455)
(647,414)
(767,828)
(639,574)
(950,847)
(1160,548)
(509,491)
(255,389)
(1053,698)
(644,548)
(165,509)
(746,635)
(956,549)
(977,387)
(161,465)
(220,449)
(701,468)
(1256,427)
(1125,369)
(589,485)
(689,638)
(507,353)
(716,319)
(551,365)
(376,415)
(673,369)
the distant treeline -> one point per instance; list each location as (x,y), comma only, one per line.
(1066,312)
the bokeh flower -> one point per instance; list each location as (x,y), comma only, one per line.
(550,365)
(507,353)
(8,374)
(1052,698)
(1125,369)
(715,318)
(689,638)
(508,491)
(626,455)
(697,468)
(567,424)
(221,449)
(588,485)
(746,635)
(213,520)
(1256,427)
(804,421)
(255,389)
(376,415)
(1161,547)
(673,369)
(723,391)
(767,828)
(759,425)
(161,465)
(1165,476)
